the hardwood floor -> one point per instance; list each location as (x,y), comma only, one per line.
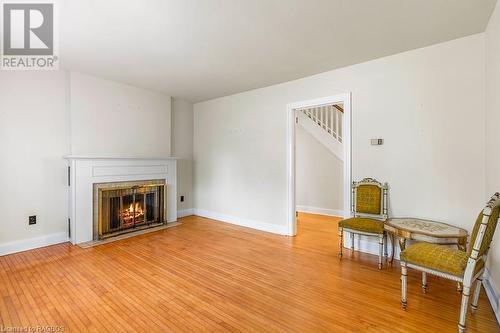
(210,276)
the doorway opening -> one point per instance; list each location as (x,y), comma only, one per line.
(319,129)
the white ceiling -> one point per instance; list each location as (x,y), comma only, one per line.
(201,49)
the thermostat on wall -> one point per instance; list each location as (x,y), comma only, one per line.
(377,142)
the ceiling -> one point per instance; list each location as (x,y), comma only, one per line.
(198,50)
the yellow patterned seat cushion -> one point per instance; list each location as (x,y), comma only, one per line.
(363,224)
(438,257)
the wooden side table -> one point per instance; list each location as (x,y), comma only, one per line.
(426,231)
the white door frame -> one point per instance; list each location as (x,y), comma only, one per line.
(345,99)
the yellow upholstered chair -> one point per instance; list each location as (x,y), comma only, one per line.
(454,264)
(369,209)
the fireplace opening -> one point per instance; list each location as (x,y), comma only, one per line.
(128,206)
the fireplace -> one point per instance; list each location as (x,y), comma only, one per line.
(122,207)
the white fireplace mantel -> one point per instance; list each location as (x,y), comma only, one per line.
(84,171)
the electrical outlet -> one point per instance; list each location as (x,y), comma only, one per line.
(32,220)
(182,198)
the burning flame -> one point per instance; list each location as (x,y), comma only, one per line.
(132,213)
(138,209)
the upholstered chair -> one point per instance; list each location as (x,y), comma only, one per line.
(369,209)
(457,265)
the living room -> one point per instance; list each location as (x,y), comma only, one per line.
(152,172)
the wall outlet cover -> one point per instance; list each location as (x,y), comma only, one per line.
(377,142)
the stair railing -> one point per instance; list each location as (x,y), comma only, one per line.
(328,117)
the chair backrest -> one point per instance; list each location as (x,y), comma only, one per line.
(484,228)
(369,199)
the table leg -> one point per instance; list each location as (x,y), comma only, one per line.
(462,244)
(402,243)
(393,247)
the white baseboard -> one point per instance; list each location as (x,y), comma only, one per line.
(33,243)
(263,226)
(185,212)
(320,211)
(492,292)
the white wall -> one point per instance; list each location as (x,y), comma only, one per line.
(46,115)
(182,147)
(492,128)
(110,118)
(427,104)
(319,176)
(34,135)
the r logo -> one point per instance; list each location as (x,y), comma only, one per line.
(28,29)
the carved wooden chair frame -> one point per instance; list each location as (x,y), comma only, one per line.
(382,216)
(468,277)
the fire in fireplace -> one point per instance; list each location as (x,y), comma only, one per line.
(127,206)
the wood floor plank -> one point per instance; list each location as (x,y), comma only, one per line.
(208,276)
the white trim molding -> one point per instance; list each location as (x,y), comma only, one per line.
(345,99)
(185,212)
(262,226)
(33,243)
(492,292)
(320,211)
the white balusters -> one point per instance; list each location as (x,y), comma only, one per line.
(323,117)
(337,124)
(340,116)
(327,117)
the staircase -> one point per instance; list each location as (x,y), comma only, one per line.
(324,123)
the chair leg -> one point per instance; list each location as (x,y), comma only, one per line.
(475,297)
(341,241)
(385,246)
(403,285)
(424,282)
(352,243)
(380,250)
(463,308)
